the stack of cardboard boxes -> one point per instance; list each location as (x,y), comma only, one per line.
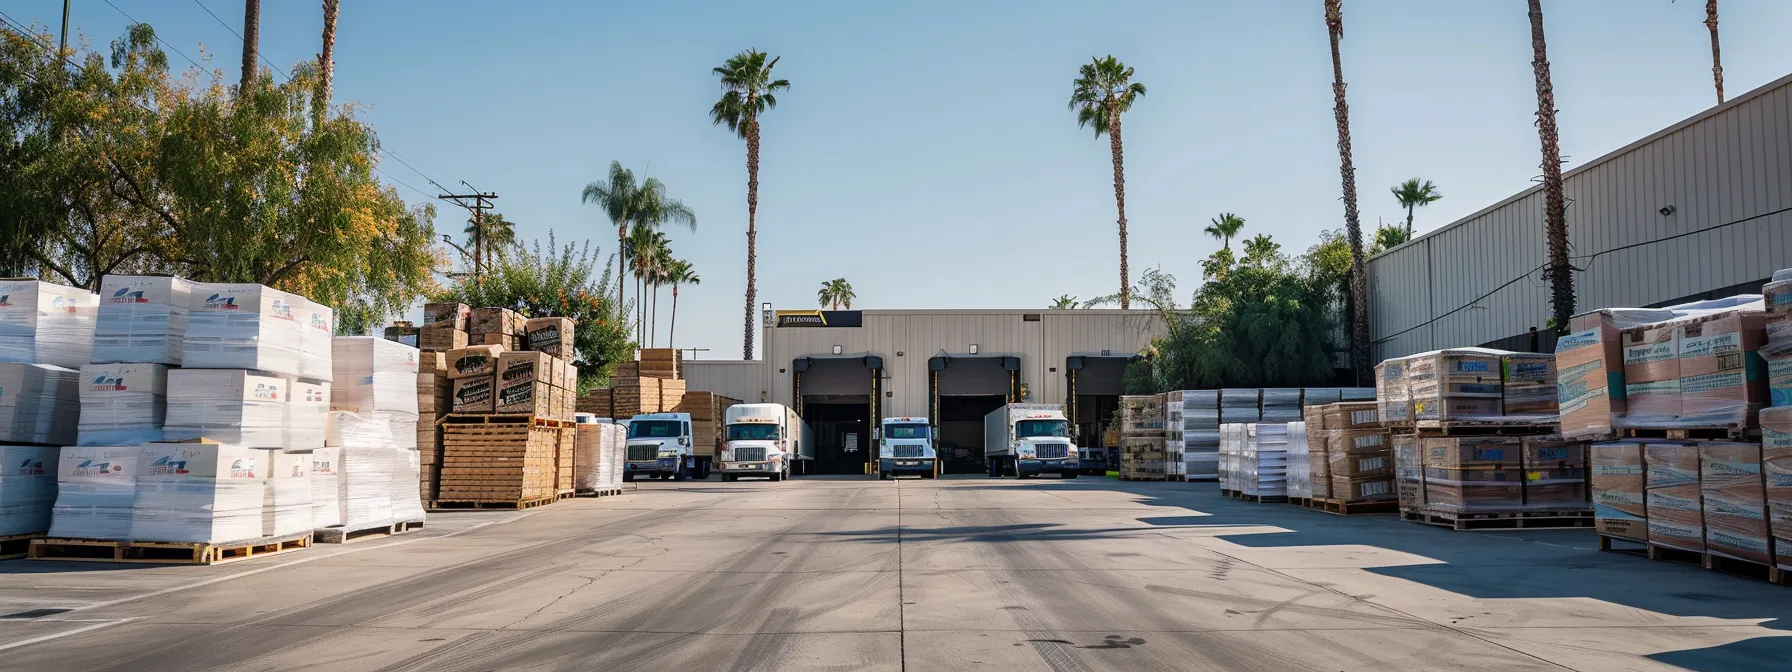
(1141,420)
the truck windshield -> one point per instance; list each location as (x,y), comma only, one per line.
(653,429)
(905,431)
(1032,428)
(765,432)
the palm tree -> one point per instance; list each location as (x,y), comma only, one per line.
(1717,61)
(661,267)
(644,247)
(680,274)
(1415,193)
(1224,227)
(1065,302)
(1103,91)
(1359,284)
(497,234)
(251,41)
(835,294)
(1261,250)
(629,205)
(1555,209)
(747,92)
(326,65)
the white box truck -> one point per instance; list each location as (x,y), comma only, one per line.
(766,440)
(1023,440)
(660,446)
(905,448)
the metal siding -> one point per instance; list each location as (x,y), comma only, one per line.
(737,379)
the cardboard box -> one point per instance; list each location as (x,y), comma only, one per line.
(1676,516)
(1446,408)
(1723,379)
(1777,295)
(552,335)
(493,321)
(1528,384)
(432,362)
(1553,452)
(402,333)
(1776,467)
(1360,465)
(141,318)
(1352,415)
(1357,441)
(446,315)
(1393,393)
(441,338)
(1352,489)
(1618,483)
(1470,451)
(474,395)
(1409,472)
(532,397)
(525,366)
(1734,501)
(474,360)
(1474,489)
(1590,375)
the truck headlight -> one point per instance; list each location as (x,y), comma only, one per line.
(668,454)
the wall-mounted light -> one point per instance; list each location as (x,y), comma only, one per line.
(898,353)
(1666,210)
(973,348)
(837,349)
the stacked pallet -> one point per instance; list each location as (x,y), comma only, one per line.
(672,393)
(432,405)
(635,396)
(1141,427)
(599,402)
(665,363)
(566,444)
(707,410)
(510,464)
(1197,431)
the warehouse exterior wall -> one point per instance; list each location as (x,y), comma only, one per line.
(1731,165)
(729,378)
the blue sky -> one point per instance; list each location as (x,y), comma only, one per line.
(924,151)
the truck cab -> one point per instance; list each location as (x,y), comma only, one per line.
(1023,440)
(765,440)
(660,446)
(906,449)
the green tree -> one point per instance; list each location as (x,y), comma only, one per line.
(1359,281)
(681,273)
(1415,193)
(1555,206)
(1224,227)
(1102,92)
(835,294)
(498,235)
(748,91)
(1065,302)
(558,280)
(630,205)
(1262,251)
(1387,238)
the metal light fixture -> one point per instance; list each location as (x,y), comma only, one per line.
(837,349)
(973,348)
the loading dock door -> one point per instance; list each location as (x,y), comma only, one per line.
(1093,385)
(962,391)
(838,398)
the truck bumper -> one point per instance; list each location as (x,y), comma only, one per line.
(1096,462)
(654,468)
(896,466)
(749,468)
(1034,467)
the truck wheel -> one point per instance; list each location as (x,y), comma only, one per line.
(883,475)
(628,477)
(727,478)
(1016,469)
(995,468)
(680,473)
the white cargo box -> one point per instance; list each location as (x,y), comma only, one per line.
(243,326)
(96,486)
(199,492)
(142,318)
(46,323)
(234,407)
(122,403)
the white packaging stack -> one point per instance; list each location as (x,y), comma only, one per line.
(365,471)
(326,483)
(122,403)
(1300,469)
(1200,434)
(1232,437)
(1265,460)
(27,488)
(615,452)
(1320,396)
(587,453)
(317,326)
(199,493)
(1281,405)
(1240,405)
(95,489)
(242,326)
(286,494)
(376,378)
(307,410)
(46,323)
(142,319)
(227,406)
(407,500)
(39,403)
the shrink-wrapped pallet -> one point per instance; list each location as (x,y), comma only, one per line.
(1555,473)
(244,326)
(1232,438)
(326,485)
(1300,483)
(317,329)
(587,454)
(1409,472)
(1393,392)
(1142,414)
(1720,369)
(1528,385)
(1479,474)
(1590,384)
(39,403)
(307,412)
(46,323)
(227,406)
(1281,405)
(95,489)
(1734,501)
(142,319)
(199,492)
(1652,375)
(1619,489)
(1240,405)
(407,502)
(1264,462)
(377,379)
(365,470)
(27,488)
(286,507)
(122,403)
(1676,519)
(1455,385)
(1776,465)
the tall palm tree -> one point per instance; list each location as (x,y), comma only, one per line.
(661,267)
(326,65)
(1224,227)
(1415,193)
(1261,250)
(251,41)
(628,205)
(1103,91)
(681,274)
(1359,284)
(644,244)
(497,234)
(1555,208)
(748,91)
(835,294)
(1717,61)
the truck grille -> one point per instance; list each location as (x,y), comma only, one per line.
(751,454)
(1053,451)
(643,453)
(909,451)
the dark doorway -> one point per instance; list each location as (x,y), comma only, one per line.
(1097,382)
(842,426)
(961,430)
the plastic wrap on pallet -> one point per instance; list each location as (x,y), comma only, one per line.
(1393,392)
(1676,519)
(1281,396)
(1242,405)
(1265,460)
(1319,472)
(95,489)
(1590,384)
(326,485)
(587,457)
(1200,462)
(1141,414)
(1356,394)
(1455,384)
(1300,467)
(1409,472)
(317,328)
(1651,375)
(1778,357)
(1555,473)
(1722,379)
(373,375)
(141,318)
(1200,399)
(407,502)
(1528,385)
(1619,489)
(1777,293)
(39,403)
(199,492)
(122,404)
(243,326)
(1320,396)
(365,472)
(227,406)
(286,506)
(27,488)
(1776,466)
(46,323)
(1232,436)
(1734,501)
(307,412)
(1481,474)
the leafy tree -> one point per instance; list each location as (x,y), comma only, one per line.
(748,91)
(1224,227)
(498,235)
(1262,251)
(1217,264)
(1415,193)
(564,281)
(1387,238)
(1359,281)
(1065,302)
(836,293)
(1102,92)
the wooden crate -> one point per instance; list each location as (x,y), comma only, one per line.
(671,393)
(503,462)
(635,396)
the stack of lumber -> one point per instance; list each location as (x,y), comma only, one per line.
(432,404)
(661,363)
(706,409)
(671,394)
(500,462)
(599,402)
(634,396)
(563,456)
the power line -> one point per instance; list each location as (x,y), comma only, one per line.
(239,37)
(419,173)
(158,37)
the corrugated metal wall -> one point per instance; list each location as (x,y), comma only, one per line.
(1730,165)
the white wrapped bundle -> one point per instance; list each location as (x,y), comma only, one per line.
(242,326)
(46,323)
(234,407)
(95,489)
(286,494)
(39,403)
(364,483)
(142,318)
(407,500)
(307,411)
(1266,459)
(376,378)
(199,493)
(122,403)
(27,488)
(587,453)
(317,324)
(1300,468)
(326,501)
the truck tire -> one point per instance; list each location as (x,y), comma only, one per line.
(995,467)
(883,475)
(679,473)
(727,478)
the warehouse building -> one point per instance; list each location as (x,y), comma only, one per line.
(843,370)
(1697,210)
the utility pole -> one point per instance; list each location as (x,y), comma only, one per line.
(63,49)
(480,204)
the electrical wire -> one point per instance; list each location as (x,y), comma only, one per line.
(239,37)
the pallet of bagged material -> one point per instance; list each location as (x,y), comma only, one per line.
(14,546)
(1353,507)
(1499,520)
(341,535)
(163,552)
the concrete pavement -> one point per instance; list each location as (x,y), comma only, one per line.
(964,573)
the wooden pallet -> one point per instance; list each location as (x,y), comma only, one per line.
(338,535)
(1505,520)
(599,492)
(509,504)
(502,419)
(15,546)
(1354,507)
(1710,561)
(163,552)
(1479,428)
(1729,432)
(1262,499)
(1144,479)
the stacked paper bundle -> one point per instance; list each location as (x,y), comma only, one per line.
(1232,438)
(407,501)
(1201,434)
(39,403)
(587,453)
(1734,502)
(227,406)
(286,494)
(1281,405)
(377,379)
(1240,405)
(307,409)
(122,403)
(142,319)
(1776,459)
(364,480)
(95,489)
(1672,500)
(1619,490)
(317,326)
(1265,460)
(45,323)
(243,326)
(199,492)
(1299,468)
(27,488)
(326,486)
(612,449)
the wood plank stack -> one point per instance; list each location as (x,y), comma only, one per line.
(599,402)
(432,404)
(564,445)
(635,396)
(671,394)
(499,462)
(662,363)
(707,410)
